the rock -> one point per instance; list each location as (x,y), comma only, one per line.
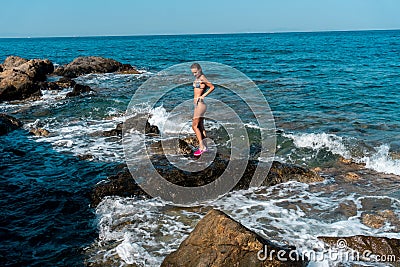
(65,82)
(121,184)
(21,79)
(279,173)
(13,62)
(85,157)
(15,85)
(49,86)
(86,65)
(394,155)
(128,69)
(192,141)
(347,209)
(380,218)
(39,132)
(382,246)
(136,123)
(372,220)
(37,69)
(351,177)
(78,89)
(114,132)
(283,172)
(171,146)
(8,124)
(218,240)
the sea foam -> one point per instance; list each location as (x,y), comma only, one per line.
(379,159)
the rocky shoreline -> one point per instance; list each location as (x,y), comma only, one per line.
(217,239)
(24,79)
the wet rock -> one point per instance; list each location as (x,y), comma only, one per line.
(380,218)
(22,79)
(347,209)
(135,123)
(121,184)
(283,172)
(350,162)
(351,177)
(192,141)
(8,124)
(92,64)
(114,132)
(65,82)
(171,146)
(85,157)
(49,86)
(279,173)
(39,132)
(128,69)
(78,90)
(218,240)
(382,246)
(372,220)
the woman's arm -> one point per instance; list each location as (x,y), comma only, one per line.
(209,85)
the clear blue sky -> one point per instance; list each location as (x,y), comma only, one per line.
(34,18)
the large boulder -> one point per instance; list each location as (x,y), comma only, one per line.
(218,240)
(92,64)
(15,85)
(21,78)
(13,62)
(8,124)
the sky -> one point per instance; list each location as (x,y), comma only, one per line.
(44,18)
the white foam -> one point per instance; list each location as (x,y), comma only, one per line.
(110,80)
(159,117)
(130,252)
(381,161)
(318,141)
(78,137)
(151,231)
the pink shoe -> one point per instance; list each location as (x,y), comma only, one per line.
(198,152)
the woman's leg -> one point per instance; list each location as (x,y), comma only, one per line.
(198,123)
(197,130)
(202,129)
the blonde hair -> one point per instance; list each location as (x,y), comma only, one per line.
(195,66)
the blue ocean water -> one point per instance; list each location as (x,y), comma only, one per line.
(335,92)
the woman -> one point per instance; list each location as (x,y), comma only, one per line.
(200,85)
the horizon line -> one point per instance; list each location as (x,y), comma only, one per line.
(183,34)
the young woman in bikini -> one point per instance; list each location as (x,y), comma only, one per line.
(200,85)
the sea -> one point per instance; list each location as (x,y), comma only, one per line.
(332,95)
